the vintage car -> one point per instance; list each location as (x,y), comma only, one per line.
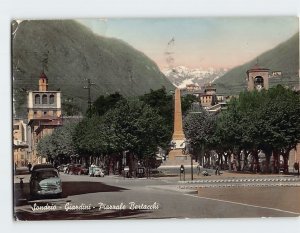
(96,171)
(45,182)
(40,166)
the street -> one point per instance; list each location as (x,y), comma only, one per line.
(114,197)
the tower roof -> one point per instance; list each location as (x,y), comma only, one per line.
(43,75)
(257,67)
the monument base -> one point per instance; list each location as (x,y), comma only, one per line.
(177,158)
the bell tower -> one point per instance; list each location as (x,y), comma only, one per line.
(43,82)
(44,114)
(257,78)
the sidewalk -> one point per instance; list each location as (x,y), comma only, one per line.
(225,175)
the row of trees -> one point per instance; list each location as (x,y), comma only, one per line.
(265,121)
(134,126)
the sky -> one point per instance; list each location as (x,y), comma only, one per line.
(198,42)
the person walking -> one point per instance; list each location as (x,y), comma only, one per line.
(217,172)
(29,166)
(198,169)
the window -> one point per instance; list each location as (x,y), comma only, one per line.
(16,127)
(37,99)
(45,113)
(51,100)
(34,113)
(259,80)
(44,99)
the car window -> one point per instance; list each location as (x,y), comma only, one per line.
(46,174)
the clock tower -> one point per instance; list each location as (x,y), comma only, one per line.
(257,78)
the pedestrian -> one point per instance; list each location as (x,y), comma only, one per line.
(198,169)
(296,167)
(217,170)
(29,166)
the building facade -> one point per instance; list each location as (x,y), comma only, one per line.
(20,143)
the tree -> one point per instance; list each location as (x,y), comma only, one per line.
(186,102)
(88,137)
(199,128)
(103,103)
(163,103)
(70,109)
(281,114)
(62,138)
(46,147)
(267,120)
(59,143)
(135,127)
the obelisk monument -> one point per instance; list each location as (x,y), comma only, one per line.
(176,156)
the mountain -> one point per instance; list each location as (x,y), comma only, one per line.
(284,58)
(180,76)
(71,53)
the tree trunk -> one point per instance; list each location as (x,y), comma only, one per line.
(130,163)
(225,160)
(276,162)
(256,167)
(286,162)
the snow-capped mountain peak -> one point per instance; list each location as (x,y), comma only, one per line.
(180,76)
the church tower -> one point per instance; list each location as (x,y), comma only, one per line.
(257,78)
(44,115)
(43,82)
(44,103)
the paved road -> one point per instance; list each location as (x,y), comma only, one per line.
(102,198)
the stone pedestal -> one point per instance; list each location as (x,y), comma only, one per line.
(176,157)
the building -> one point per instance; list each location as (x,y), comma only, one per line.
(208,97)
(20,143)
(210,100)
(257,78)
(294,157)
(192,87)
(44,114)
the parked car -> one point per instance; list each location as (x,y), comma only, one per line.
(77,169)
(41,166)
(44,182)
(96,171)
